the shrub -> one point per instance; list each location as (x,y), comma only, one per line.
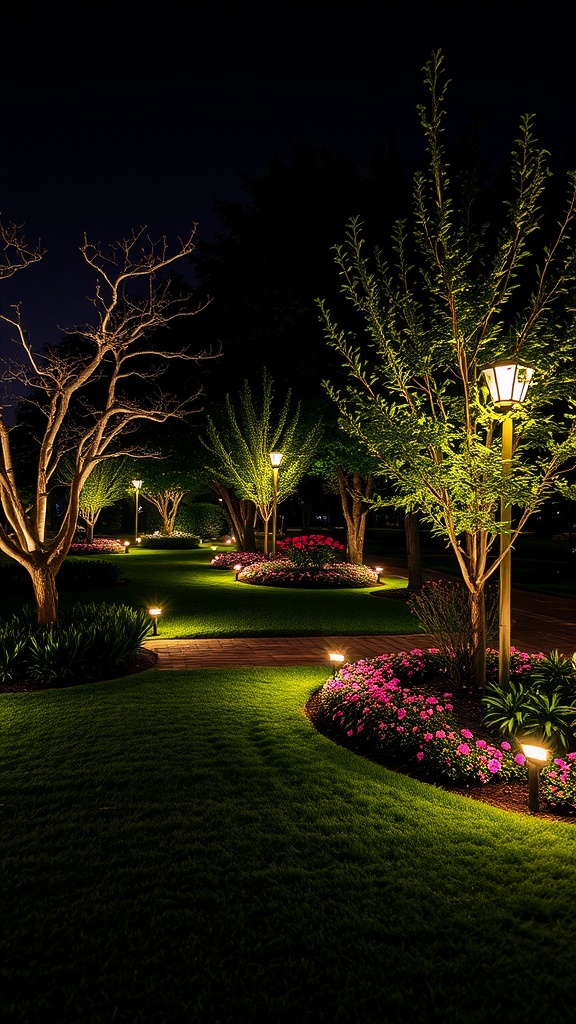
(281,573)
(202,518)
(311,549)
(372,708)
(533,706)
(89,642)
(443,608)
(170,541)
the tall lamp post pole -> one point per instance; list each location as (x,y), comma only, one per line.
(508,382)
(136,484)
(275,459)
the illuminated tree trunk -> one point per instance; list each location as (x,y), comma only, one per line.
(412,530)
(355,493)
(45,592)
(240,513)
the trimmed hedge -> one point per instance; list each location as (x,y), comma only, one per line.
(170,541)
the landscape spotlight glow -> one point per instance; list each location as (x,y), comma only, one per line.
(536,755)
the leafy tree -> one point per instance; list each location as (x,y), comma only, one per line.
(133,302)
(240,446)
(457,296)
(108,483)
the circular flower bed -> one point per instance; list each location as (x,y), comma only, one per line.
(283,573)
(391,708)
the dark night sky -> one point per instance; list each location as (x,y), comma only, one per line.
(117,121)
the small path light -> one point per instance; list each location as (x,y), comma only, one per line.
(237,569)
(536,755)
(379,569)
(154,614)
(335,659)
(126,547)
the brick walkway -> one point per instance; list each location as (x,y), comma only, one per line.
(539,623)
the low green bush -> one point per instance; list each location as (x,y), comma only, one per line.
(202,519)
(170,541)
(89,642)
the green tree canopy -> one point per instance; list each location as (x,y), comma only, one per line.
(241,442)
(457,295)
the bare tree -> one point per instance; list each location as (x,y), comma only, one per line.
(91,394)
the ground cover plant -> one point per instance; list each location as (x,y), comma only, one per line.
(198,601)
(184,846)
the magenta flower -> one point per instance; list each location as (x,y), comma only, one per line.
(463,748)
(493,766)
(466,734)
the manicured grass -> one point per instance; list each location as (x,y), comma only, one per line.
(182,847)
(199,601)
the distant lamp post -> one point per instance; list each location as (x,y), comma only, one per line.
(154,614)
(508,382)
(335,659)
(237,569)
(136,484)
(379,569)
(275,459)
(536,755)
(126,547)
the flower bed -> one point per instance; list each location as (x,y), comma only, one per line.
(96,547)
(311,549)
(229,559)
(282,573)
(385,707)
(558,781)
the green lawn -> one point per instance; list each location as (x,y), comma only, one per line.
(183,847)
(199,601)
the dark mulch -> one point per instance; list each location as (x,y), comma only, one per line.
(507,796)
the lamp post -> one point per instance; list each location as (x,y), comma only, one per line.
(154,614)
(275,459)
(508,382)
(536,755)
(336,659)
(136,484)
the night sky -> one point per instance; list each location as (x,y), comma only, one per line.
(120,119)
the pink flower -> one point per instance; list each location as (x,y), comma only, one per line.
(420,755)
(402,713)
(440,734)
(505,746)
(481,744)
(520,759)
(428,736)
(493,766)
(466,734)
(463,748)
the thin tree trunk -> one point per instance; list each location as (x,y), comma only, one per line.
(240,513)
(412,530)
(478,619)
(355,495)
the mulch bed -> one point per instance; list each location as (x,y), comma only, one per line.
(507,796)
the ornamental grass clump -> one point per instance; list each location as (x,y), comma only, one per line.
(382,707)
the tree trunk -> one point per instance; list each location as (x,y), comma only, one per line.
(355,494)
(45,593)
(412,529)
(478,620)
(240,514)
(89,531)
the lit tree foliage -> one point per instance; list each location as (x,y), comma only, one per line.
(118,361)
(241,442)
(108,483)
(455,298)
